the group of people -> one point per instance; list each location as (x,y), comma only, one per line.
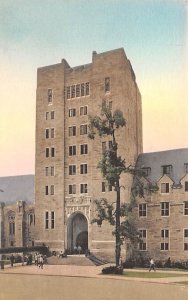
(39,260)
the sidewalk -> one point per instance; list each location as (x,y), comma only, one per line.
(90,272)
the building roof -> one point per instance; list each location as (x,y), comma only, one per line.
(155,160)
(17,188)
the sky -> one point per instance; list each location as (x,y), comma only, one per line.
(36,33)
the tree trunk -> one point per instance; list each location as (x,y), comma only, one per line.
(117,230)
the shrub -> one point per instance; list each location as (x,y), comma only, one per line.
(129,264)
(112,270)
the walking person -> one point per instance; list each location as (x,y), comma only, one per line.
(152,265)
(12,260)
(41,261)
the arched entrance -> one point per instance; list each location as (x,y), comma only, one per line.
(77,232)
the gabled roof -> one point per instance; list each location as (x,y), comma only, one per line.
(17,188)
(155,160)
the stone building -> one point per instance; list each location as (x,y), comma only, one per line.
(162,217)
(66,176)
(17,218)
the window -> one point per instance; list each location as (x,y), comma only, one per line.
(11,219)
(165,209)
(46,190)
(87,88)
(49,96)
(83,149)
(103,187)
(186,239)
(164,246)
(73,91)
(52,133)
(46,171)
(164,233)
(107,84)
(83,188)
(83,110)
(78,90)
(186,167)
(72,131)
(52,220)
(83,169)
(186,186)
(83,129)
(142,210)
(143,236)
(72,112)
(47,115)
(72,150)
(68,92)
(72,189)
(72,170)
(82,89)
(52,189)
(52,171)
(52,152)
(146,171)
(167,169)
(103,147)
(47,135)
(46,220)
(165,187)
(47,152)
(186,208)
(52,115)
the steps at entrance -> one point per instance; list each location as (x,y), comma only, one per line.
(78,260)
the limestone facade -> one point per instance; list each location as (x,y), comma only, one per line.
(66,176)
(17,225)
(162,217)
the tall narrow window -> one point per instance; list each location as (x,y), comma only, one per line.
(11,219)
(78,90)
(46,171)
(83,188)
(72,189)
(165,207)
(72,131)
(72,112)
(47,152)
(52,115)
(52,220)
(52,133)
(107,84)
(72,170)
(103,187)
(72,150)
(46,220)
(83,129)
(73,91)
(142,209)
(82,89)
(52,152)
(83,110)
(47,133)
(50,96)
(52,171)
(164,239)
(186,208)
(186,186)
(143,237)
(52,189)
(186,239)
(47,115)
(83,169)
(87,89)
(103,147)
(46,190)
(83,149)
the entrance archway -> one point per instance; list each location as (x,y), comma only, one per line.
(77,232)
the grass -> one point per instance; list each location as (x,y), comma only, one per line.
(151,274)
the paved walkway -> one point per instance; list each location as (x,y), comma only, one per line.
(90,272)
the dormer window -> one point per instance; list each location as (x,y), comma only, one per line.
(167,169)
(186,167)
(165,187)
(146,171)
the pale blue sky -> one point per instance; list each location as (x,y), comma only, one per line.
(41,32)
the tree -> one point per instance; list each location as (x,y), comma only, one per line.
(112,166)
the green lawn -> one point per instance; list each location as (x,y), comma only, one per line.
(151,274)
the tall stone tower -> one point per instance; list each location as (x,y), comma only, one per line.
(66,176)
